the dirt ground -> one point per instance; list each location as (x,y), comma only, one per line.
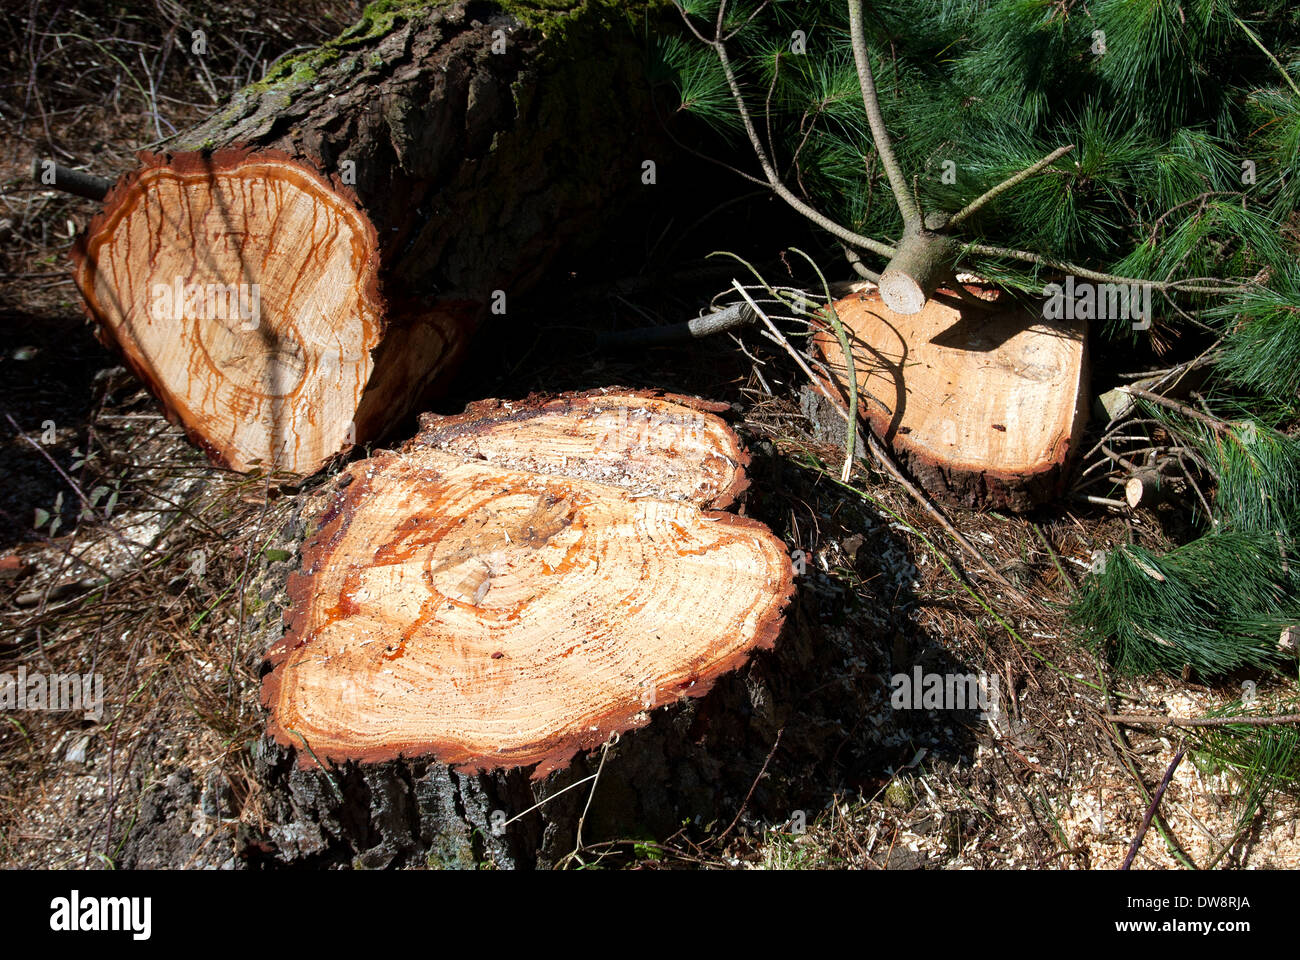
(140,581)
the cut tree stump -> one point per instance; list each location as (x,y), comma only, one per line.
(518,584)
(303,269)
(984,408)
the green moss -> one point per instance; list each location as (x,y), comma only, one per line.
(553,18)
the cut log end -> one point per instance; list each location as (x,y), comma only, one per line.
(901,292)
(983,407)
(242,287)
(522,581)
(1146,488)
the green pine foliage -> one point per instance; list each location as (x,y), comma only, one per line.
(1217,604)
(1163,100)
(1262,339)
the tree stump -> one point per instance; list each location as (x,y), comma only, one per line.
(985,408)
(303,269)
(517,585)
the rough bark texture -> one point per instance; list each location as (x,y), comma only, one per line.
(464,145)
(984,408)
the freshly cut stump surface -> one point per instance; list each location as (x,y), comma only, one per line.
(523,580)
(984,408)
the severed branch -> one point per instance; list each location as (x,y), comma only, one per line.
(729,318)
(75,182)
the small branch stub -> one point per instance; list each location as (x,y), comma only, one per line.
(1146,488)
(923,259)
(76,182)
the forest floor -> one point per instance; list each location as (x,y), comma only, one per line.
(143,588)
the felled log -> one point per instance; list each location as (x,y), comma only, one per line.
(301,270)
(516,586)
(984,408)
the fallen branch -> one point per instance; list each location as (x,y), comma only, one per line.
(1137,719)
(729,318)
(1151,809)
(75,182)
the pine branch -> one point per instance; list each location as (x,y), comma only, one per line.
(1185,286)
(1006,185)
(769,170)
(907,206)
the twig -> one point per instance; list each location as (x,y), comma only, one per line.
(761,770)
(780,339)
(545,800)
(1006,185)
(329,774)
(729,318)
(576,853)
(1177,407)
(1140,719)
(1151,809)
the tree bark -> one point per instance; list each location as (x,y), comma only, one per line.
(376,199)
